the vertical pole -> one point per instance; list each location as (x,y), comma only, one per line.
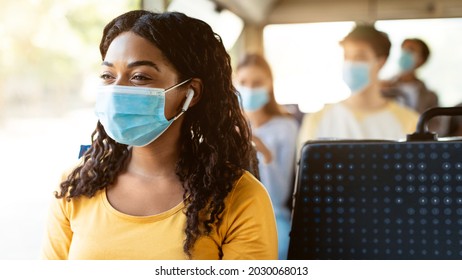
(253,38)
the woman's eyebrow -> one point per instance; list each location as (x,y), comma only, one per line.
(135,64)
(143,63)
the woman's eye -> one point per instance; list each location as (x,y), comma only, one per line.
(105,77)
(140,78)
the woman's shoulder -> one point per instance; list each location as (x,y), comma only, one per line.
(247,181)
(71,204)
(248,188)
(249,199)
(248,210)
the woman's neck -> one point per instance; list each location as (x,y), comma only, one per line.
(157,159)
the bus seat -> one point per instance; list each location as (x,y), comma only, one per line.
(378,200)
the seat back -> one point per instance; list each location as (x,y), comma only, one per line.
(83,149)
(378,200)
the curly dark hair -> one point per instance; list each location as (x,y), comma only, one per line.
(216,140)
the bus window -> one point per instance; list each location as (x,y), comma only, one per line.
(308,59)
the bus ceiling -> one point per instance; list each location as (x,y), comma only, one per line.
(264,12)
(256,14)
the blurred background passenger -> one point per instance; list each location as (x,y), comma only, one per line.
(406,88)
(366,114)
(274,133)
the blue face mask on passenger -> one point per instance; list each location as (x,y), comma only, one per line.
(135,115)
(253,99)
(356,75)
(406,61)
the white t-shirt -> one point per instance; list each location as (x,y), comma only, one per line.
(337,121)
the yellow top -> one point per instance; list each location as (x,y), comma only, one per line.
(338,121)
(90,228)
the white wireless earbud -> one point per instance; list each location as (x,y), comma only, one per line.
(189,97)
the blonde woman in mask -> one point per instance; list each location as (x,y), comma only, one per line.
(366,114)
(274,135)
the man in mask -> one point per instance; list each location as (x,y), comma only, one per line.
(366,114)
(406,88)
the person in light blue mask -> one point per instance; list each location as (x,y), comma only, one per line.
(171,172)
(366,114)
(274,133)
(407,89)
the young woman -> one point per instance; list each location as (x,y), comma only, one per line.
(274,134)
(165,177)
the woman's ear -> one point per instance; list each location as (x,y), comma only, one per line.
(196,86)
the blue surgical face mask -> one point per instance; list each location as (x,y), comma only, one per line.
(253,99)
(133,115)
(406,61)
(356,75)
